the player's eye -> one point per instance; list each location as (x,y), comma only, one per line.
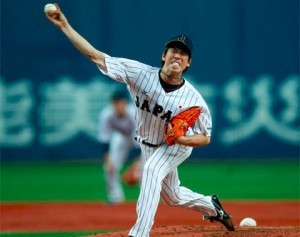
(179,51)
(173,50)
(184,53)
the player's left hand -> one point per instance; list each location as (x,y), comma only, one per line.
(180,123)
(168,127)
(176,140)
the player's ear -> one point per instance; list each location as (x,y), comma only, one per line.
(163,56)
(189,63)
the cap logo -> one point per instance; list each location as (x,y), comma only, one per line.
(181,38)
(184,40)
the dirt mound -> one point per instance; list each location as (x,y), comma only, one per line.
(169,221)
(209,231)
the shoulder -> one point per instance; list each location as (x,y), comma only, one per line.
(130,63)
(130,110)
(107,112)
(194,93)
(192,89)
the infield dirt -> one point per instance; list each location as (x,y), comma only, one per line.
(277,218)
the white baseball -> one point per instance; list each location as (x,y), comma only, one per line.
(50,8)
(248,222)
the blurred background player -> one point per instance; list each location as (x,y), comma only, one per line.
(116,133)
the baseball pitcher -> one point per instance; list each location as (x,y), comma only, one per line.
(159,95)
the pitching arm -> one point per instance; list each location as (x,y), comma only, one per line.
(80,43)
(196,140)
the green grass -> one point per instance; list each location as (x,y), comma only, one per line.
(244,180)
(50,234)
(85,181)
(45,182)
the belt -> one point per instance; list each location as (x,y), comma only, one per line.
(151,145)
(148,144)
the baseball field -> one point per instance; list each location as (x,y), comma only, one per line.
(68,199)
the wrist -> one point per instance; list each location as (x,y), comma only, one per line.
(193,141)
(180,140)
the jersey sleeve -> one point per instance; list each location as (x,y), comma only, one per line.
(122,69)
(202,125)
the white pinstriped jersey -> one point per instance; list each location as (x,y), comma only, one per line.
(155,107)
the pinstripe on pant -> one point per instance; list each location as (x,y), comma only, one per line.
(160,178)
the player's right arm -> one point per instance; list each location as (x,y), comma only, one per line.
(59,20)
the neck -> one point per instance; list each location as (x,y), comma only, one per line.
(170,79)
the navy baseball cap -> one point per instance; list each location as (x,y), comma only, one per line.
(182,42)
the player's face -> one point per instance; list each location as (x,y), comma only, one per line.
(176,60)
(120,107)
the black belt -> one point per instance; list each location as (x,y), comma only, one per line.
(149,144)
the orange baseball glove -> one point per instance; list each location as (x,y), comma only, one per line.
(180,124)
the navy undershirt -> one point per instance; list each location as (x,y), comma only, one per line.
(168,87)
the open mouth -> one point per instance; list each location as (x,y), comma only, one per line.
(175,63)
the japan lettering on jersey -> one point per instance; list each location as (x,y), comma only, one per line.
(155,107)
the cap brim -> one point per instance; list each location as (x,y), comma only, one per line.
(178,44)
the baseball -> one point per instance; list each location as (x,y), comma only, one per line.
(249,222)
(50,8)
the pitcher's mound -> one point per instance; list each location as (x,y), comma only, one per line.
(208,231)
